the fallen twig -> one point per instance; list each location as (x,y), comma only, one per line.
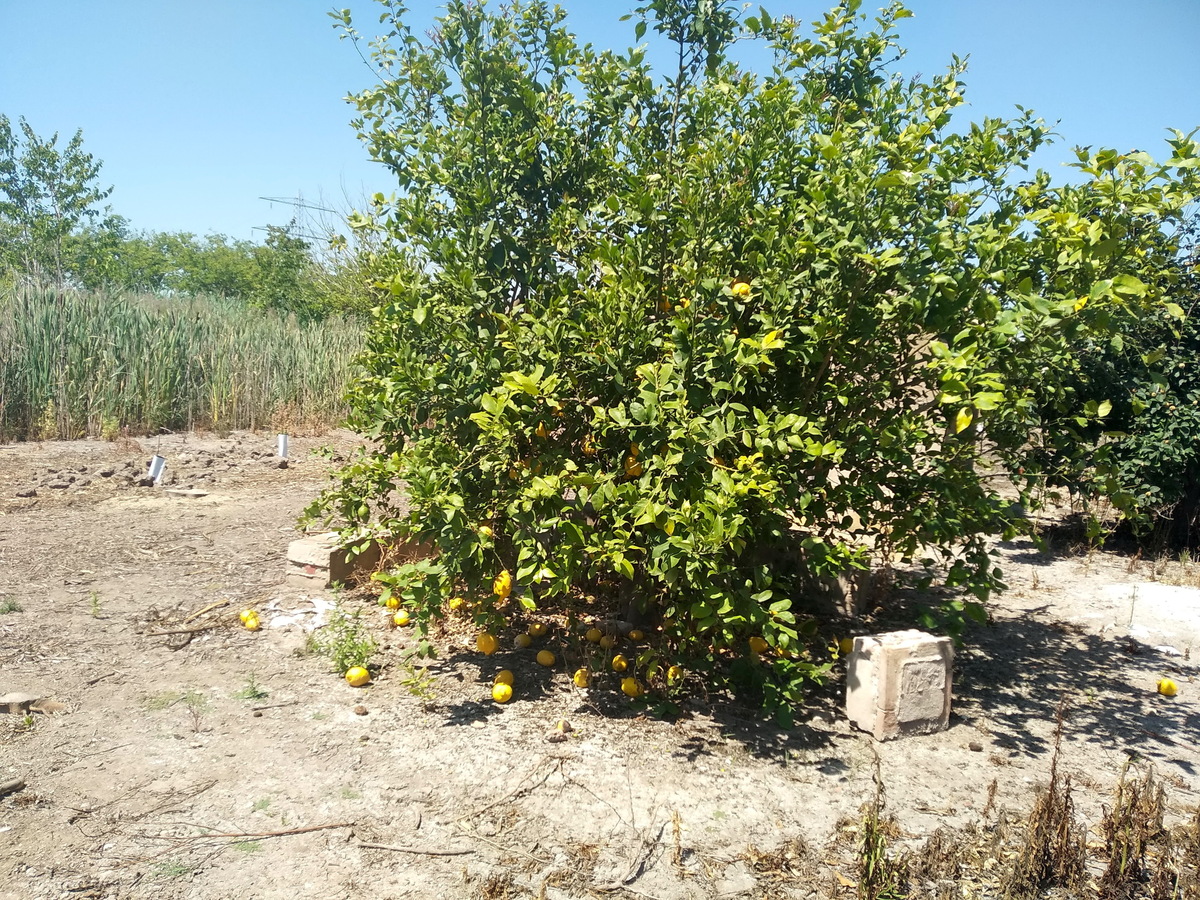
(208,608)
(415,850)
(195,630)
(240,836)
(98,678)
(274,705)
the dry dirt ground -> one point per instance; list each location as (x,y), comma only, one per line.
(227,764)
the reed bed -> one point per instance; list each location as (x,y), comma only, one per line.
(74,364)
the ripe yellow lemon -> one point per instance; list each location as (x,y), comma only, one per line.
(674,673)
(402,618)
(485,531)
(502,586)
(545,658)
(740,289)
(487,644)
(1167,687)
(758,645)
(594,635)
(619,663)
(251,622)
(456,603)
(846,645)
(501,692)
(247,614)
(631,687)
(637,634)
(523,641)
(504,676)
(542,431)
(589,446)
(633,468)
(582,678)
(537,629)
(392,603)
(357,676)
(608,641)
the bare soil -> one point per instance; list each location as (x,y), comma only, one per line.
(221,763)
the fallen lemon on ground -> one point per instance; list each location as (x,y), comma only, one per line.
(620,663)
(594,635)
(357,676)
(846,645)
(247,614)
(402,618)
(392,603)
(537,629)
(523,641)
(631,687)
(582,678)
(545,658)
(502,586)
(501,692)
(487,644)
(456,603)
(758,645)
(1167,687)
(251,621)
(608,642)
(637,634)
(504,676)
(674,673)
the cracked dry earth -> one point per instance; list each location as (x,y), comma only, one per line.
(195,759)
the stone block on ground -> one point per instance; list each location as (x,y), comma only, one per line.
(899,683)
(318,560)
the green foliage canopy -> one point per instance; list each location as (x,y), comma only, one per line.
(690,343)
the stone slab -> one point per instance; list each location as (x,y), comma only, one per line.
(319,561)
(899,683)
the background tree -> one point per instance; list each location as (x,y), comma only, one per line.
(46,192)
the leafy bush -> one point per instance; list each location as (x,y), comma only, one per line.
(681,350)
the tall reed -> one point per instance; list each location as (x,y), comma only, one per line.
(75,364)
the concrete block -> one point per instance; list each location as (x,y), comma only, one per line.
(318,560)
(899,683)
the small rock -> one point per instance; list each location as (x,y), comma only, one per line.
(257,714)
(27,492)
(360,710)
(59,485)
(107,472)
(556,737)
(975,747)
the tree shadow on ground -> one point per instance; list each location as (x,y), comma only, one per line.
(1014,672)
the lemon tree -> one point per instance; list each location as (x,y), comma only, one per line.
(676,342)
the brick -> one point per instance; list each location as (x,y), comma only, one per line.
(899,683)
(319,560)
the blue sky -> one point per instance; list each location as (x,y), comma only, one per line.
(200,108)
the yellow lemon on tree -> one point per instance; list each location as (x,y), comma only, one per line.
(608,641)
(504,676)
(637,634)
(456,603)
(582,678)
(545,658)
(594,635)
(1167,687)
(523,641)
(485,531)
(758,645)
(251,622)
(631,687)
(357,676)
(674,673)
(502,586)
(501,692)
(537,629)
(740,289)
(402,618)
(487,644)
(542,431)
(392,603)
(619,663)
(633,468)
